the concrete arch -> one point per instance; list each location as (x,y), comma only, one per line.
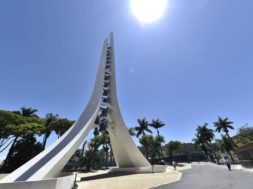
(50,162)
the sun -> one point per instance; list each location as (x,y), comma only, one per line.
(148,11)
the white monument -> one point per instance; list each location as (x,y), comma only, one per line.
(45,168)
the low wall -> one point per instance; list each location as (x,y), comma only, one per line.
(65,182)
(236,166)
(151,169)
(2,176)
(247,163)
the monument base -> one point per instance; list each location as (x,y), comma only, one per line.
(64,181)
(151,169)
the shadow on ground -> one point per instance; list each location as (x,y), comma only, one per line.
(105,175)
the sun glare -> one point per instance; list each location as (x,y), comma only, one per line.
(148,11)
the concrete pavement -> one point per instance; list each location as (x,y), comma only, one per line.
(211,176)
(104,180)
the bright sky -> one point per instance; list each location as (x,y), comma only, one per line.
(189,67)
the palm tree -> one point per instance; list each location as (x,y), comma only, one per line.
(204,137)
(223,125)
(151,145)
(91,153)
(156,124)
(104,137)
(142,128)
(27,112)
(228,144)
(145,141)
(105,142)
(48,129)
(131,131)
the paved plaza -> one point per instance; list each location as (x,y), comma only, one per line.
(210,176)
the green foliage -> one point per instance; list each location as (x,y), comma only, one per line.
(156,124)
(142,128)
(204,137)
(23,150)
(223,125)
(48,126)
(91,154)
(27,112)
(243,136)
(19,129)
(172,146)
(151,145)
(227,143)
(19,126)
(131,132)
(60,126)
(187,148)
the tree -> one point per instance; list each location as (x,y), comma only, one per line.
(142,128)
(27,112)
(6,137)
(204,137)
(151,145)
(156,124)
(105,142)
(244,135)
(20,128)
(48,129)
(146,141)
(61,125)
(228,144)
(131,132)
(172,146)
(223,125)
(24,150)
(91,155)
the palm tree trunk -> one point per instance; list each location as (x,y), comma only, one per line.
(231,156)
(106,159)
(44,141)
(228,151)
(161,151)
(158,133)
(205,151)
(9,154)
(83,146)
(5,146)
(111,155)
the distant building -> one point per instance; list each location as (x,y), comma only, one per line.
(245,154)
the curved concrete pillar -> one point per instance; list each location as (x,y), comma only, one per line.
(125,151)
(50,162)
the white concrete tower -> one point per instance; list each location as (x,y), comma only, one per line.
(104,104)
(126,154)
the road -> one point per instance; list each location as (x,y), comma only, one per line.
(208,176)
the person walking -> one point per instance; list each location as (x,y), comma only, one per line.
(174,164)
(228,164)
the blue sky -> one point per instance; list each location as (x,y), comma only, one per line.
(188,68)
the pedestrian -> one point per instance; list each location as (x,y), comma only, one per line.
(174,164)
(228,164)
